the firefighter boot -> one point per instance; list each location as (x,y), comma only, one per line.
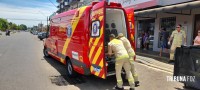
(118,88)
(137,83)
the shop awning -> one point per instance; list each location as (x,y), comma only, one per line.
(177,7)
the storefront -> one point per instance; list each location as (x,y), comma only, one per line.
(160,14)
(186,14)
(145,30)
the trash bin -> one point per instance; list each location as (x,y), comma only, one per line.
(187,64)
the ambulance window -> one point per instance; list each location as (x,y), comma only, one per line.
(95,28)
(69,31)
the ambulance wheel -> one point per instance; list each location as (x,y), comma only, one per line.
(70,70)
(45,52)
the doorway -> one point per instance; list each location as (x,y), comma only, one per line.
(196,25)
(146,34)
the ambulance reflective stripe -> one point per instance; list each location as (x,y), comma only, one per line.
(95,54)
(74,24)
(132,38)
(96,49)
(131,25)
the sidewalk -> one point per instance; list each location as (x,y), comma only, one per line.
(152,59)
(154,55)
(155,63)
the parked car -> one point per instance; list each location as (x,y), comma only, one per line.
(42,35)
(35,32)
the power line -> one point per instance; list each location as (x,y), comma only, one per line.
(42,13)
(25,19)
(18,12)
(39,12)
(52,3)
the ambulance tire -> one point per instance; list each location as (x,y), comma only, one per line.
(45,52)
(70,70)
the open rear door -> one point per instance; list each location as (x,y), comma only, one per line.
(96,43)
(130,16)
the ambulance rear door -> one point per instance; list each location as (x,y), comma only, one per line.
(96,42)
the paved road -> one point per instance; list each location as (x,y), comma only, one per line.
(23,67)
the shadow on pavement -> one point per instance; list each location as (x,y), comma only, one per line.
(62,80)
(82,81)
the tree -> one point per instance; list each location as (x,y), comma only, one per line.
(22,27)
(12,26)
(3,24)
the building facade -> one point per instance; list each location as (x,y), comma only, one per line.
(65,5)
(152,15)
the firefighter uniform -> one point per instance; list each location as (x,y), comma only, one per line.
(131,53)
(177,41)
(122,57)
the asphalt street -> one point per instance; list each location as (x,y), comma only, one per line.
(23,67)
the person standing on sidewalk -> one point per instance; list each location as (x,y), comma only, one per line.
(177,36)
(131,53)
(163,41)
(197,39)
(116,46)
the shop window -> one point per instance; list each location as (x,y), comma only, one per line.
(146,34)
(168,24)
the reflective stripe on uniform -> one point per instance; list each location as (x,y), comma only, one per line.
(119,81)
(131,61)
(115,41)
(131,80)
(122,57)
(131,54)
(135,75)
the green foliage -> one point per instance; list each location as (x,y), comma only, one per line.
(3,24)
(22,27)
(13,26)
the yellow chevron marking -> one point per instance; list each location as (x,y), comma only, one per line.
(74,24)
(96,40)
(95,43)
(91,69)
(103,76)
(100,18)
(101,64)
(97,54)
(90,42)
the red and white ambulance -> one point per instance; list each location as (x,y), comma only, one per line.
(79,38)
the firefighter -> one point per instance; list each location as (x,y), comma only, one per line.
(177,36)
(116,46)
(131,53)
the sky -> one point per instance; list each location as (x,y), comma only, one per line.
(28,12)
